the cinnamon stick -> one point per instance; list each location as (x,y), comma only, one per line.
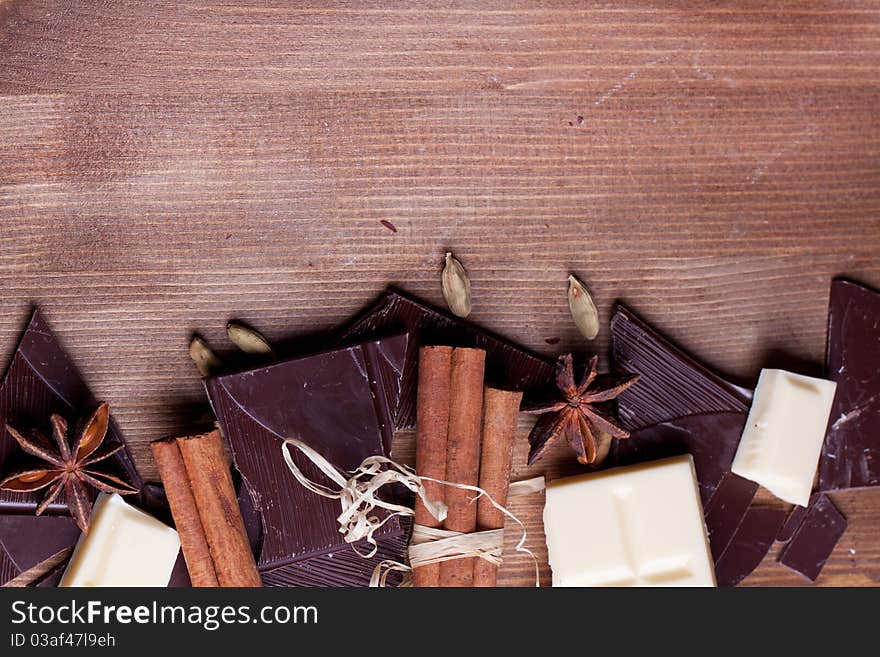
(211,483)
(500,413)
(185,512)
(463,454)
(432,423)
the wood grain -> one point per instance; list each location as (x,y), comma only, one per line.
(165,166)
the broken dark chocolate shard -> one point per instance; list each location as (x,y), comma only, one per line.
(672,384)
(154,501)
(253,524)
(851,452)
(749,546)
(341,403)
(794,520)
(725,512)
(507,365)
(41,379)
(677,407)
(179,574)
(814,539)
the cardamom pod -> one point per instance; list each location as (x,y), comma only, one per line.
(203,357)
(248,339)
(583,310)
(456,287)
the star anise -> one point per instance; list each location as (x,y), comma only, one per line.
(579,415)
(67,467)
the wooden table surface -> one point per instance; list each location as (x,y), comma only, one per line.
(167,165)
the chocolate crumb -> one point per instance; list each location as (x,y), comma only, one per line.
(580,120)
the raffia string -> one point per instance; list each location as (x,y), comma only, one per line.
(526,486)
(357,494)
(433,545)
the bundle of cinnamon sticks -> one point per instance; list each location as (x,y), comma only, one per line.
(198,484)
(464,435)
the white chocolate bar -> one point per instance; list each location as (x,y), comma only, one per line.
(124,547)
(635,526)
(783,437)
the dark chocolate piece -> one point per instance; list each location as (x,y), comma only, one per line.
(179,575)
(507,365)
(155,502)
(18,533)
(672,384)
(341,567)
(795,520)
(677,407)
(41,380)
(253,525)
(726,510)
(749,546)
(341,403)
(813,541)
(851,453)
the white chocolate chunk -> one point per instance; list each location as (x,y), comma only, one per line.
(635,526)
(124,547)
(781,443)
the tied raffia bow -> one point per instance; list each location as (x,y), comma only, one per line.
(358,495)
